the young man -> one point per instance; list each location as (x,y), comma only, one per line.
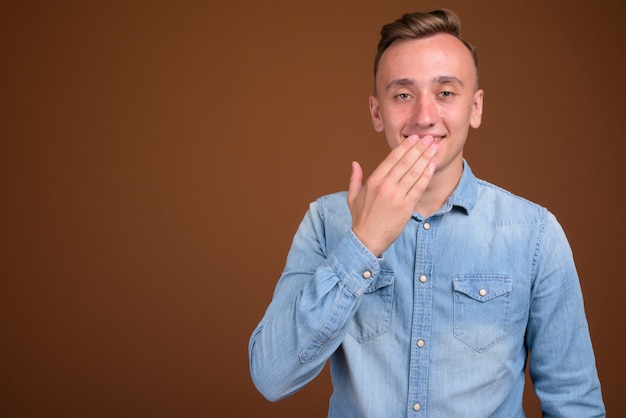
(426,287)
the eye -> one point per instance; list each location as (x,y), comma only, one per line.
(446,94)
(403,96)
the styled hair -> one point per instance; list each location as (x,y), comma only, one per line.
(420,25)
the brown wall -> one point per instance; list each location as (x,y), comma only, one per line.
(156,158)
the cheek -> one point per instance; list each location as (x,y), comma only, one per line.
(390,123)
(458,121)
(392,140)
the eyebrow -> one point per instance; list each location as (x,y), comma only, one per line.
(450,79)
(400,82)
(442,79)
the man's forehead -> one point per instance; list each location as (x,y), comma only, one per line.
(441,58)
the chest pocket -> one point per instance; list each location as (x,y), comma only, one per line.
(373,317)
(482,309)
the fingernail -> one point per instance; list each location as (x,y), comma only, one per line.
(427,140)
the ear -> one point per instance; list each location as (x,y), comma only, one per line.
(377,119)
(477,109)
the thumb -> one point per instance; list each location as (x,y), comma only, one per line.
(356,181)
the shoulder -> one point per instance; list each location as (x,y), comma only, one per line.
(501,207)
(330,219)
(334,205)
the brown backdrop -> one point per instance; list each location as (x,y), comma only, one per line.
(156,158)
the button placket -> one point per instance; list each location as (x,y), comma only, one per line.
(422,323)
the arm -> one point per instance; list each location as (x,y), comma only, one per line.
(562,362)
(315,297)
(320,289)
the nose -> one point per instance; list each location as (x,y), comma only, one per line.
(425,112)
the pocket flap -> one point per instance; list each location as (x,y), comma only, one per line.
(483,288)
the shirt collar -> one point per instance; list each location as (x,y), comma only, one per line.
(465,194)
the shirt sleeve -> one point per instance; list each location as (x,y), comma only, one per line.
(315,297)
(562,363)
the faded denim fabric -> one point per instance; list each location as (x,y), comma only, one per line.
(441,324)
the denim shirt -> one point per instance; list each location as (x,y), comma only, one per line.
(441,324)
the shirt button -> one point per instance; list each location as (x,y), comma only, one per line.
(426,226)
(482,292)
(417,407)
(420,343)
(423,278)
(367,274)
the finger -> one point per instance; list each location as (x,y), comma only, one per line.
(417,189)
(408,159)
(413,173)
(356,181)
(407,171)
(395,156)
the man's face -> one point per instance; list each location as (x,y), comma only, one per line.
(428,87)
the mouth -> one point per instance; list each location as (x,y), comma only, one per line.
(436,138)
